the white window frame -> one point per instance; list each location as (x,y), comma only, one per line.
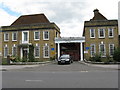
(104,50)
(38,34)
(14,46)
(109,32)
(44,35)
(5,36)
(103,33)
(6,46)
(46,45)
(110,50)
(91,33)
(91,52)
(23,37)
(35,51)
(13,36)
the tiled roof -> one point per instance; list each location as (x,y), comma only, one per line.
(31,19)
(98,15)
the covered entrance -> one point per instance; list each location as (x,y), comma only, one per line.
(70,45)
(73,49)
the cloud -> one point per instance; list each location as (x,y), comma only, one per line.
(69,15)
(5,18)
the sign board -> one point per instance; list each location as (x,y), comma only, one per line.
(87,48)
(85,51)
(52,49)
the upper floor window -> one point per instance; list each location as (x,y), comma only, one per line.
(101,33)
(6,36)
(92,33)
(111,49)
(110,32)
(36,35)
(14,36)
(46,35)
(102,50)
(25,36)
(93,50)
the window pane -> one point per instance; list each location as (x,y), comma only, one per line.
(111,48)
(36,35)
(25,36)
(92,32)
(46,35)
(14,36)
(5,51)
(37,51)
(14,51)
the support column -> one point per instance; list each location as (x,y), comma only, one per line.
(21,53)
(81,51)
(58,50)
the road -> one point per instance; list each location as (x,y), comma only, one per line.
(75,75)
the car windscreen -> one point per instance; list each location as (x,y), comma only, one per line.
(65,56)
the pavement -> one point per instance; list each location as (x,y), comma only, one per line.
(110,66)
(12,67)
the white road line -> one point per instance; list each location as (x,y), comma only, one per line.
(33,80)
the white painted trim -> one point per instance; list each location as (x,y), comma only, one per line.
(58,50)
(23,37)
(109,49)
(104,49)
(109,32)
(91,50)
(4,50)
(93,32)
(44,52)
(34,35)
(44,35)
(16,36)
(5,36)
(81,51)
(103,33)
(39,51)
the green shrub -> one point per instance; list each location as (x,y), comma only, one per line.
(4,62)
(116,55)
(96,58)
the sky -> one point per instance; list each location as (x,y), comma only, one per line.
(69,15)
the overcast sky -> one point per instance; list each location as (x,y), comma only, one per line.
(69,15)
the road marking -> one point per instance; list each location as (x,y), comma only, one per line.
(33,80)
(83,71)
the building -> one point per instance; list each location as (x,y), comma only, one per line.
(30,30)
(0,45)
(101,36)
(70,45)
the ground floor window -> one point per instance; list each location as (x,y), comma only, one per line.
(37,51)
(111,49)
(5,51)
(93,51)
(46,51)
(14,50)
(102,50)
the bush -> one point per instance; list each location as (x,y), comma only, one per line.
(4,62)
(96,58)
(116,55)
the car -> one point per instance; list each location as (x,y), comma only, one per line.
(65,58)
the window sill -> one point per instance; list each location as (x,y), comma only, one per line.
(14,40)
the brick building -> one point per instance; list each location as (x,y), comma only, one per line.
(101,36)
(29,30)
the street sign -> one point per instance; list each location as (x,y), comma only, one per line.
(52,49)
(87,48)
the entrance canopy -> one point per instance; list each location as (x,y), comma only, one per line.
(70,40)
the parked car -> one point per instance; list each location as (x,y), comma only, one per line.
(65,58)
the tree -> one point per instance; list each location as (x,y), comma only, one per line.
(116,55)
